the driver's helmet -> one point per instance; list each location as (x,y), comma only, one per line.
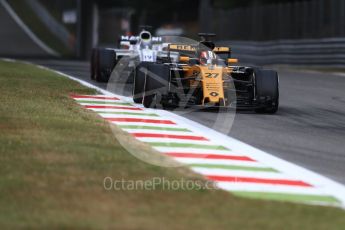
(206,57)
(145,39)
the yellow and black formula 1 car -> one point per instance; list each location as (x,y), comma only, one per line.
(205,76)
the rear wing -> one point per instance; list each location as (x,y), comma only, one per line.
(182,47)
(193,48)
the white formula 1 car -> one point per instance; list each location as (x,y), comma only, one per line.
(136,49)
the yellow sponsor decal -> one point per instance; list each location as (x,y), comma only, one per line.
(221,49)
(232,60)
(182,47)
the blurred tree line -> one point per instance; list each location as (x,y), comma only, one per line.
(158,13)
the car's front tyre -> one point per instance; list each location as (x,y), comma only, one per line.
(267,91)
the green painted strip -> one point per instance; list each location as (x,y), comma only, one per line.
(287,197)
(153,128)
(233,167)
(186,145)
(129,113)
(104,102)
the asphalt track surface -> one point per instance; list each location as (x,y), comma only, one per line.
(308,130)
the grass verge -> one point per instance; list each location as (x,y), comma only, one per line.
(54,156)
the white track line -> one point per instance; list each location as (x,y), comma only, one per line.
(145,124)
(118,110)
(109,115)
(160,132)
(95,99)
(174,140)
(235,186)
(220,162)
(197,151)
(239,173)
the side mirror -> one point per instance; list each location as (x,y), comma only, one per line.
(232,60)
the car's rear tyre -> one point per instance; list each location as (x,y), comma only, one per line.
(156,82)
(267,91)
(105,64)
